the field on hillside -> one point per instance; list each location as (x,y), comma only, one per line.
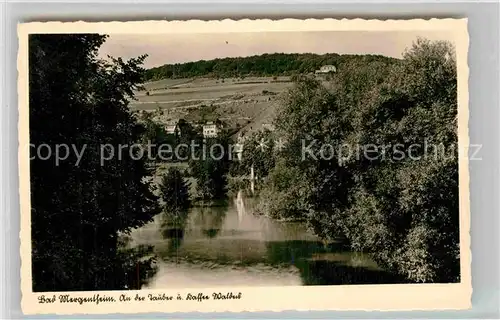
(247,103)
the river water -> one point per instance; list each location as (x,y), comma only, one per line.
(227,245)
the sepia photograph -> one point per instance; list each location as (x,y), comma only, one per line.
(165,163)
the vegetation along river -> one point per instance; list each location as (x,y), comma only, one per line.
(228,245)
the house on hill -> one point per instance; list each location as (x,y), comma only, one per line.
(211,129)
(326,69)
(172,127)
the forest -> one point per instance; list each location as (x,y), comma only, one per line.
(274,64)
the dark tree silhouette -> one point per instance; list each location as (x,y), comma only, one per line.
(174,191)
(79,210)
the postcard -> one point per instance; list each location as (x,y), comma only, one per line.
(244,165)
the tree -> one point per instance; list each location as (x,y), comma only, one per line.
(174,191)
(286,194)
(209,165)
(261,65)
(188,135)
(153,133)
(399,203)
(420,101)
(78,210)
(259,152)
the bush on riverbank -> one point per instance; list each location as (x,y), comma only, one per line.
(398,203)
(285,193)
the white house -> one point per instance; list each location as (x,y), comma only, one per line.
(327,69)
(210,130)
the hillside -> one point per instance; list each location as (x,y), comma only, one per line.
(243,92)
(239,103)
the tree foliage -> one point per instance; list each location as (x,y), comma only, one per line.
(259,151)
(79,210)
(174,191)
(391,186)
(209,165)
(286,193)
(259,65)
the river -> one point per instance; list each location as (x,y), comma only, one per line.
(227,245)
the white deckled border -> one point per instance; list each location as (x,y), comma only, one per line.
(351,297)
(243,25)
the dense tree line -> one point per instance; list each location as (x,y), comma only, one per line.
(260,65)
(373,158)
(78,210)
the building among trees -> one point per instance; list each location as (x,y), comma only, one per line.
(326,69)
(268,126)
(211,129)
(172,127)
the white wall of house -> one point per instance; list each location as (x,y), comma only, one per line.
(170,129)
(210,130)
(327,69)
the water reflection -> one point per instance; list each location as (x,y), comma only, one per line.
(172,227)
(227,244)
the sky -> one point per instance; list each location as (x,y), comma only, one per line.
(177,48)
